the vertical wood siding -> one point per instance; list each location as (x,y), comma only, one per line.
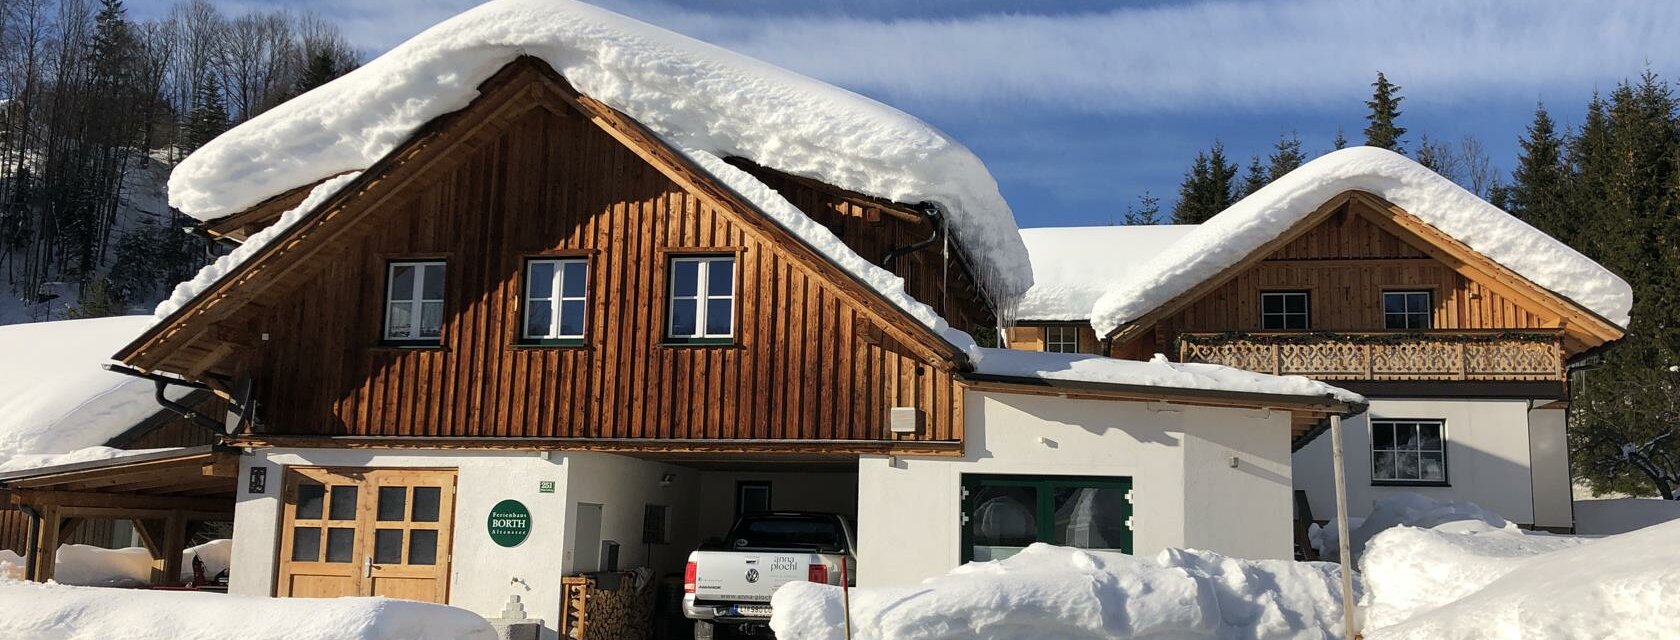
(806,363)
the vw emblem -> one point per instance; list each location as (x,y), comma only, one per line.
(752,575)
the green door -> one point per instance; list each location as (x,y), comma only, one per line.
(1002,514)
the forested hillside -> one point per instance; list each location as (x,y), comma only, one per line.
(95,109)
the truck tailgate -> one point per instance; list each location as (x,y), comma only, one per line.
(748,576)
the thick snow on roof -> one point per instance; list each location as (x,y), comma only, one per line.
(1157,372)
(57,399)
(695,95)
(1073,266)
(1238,231)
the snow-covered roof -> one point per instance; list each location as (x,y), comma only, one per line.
(1073,266)
(57,399)
(1237,232)
(698,97)
(1157,372)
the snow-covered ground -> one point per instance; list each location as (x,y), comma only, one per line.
(89,566)
(31,611)
(1470,575)
(1408,509)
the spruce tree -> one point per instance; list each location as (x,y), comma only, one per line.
(1382,127)
(1208,187)
(1286,155)
(322,68)
(1148,211)
(1255,178)
(209,117)
(1540,183)
(1341,140)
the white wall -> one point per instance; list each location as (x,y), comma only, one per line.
(1487,458)
(482,573)
(1184,490)
(829,492)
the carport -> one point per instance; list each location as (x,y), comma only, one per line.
(163,493)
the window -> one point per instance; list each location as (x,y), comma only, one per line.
(1060,339)
(656,524)
(1407,309)
(751,496)
(1408,451)
(1004,514)
(1285,310)
(702,300)
(414,303)
(556,301)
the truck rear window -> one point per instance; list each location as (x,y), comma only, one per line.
(771,532)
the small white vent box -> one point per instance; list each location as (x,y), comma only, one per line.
(905,419)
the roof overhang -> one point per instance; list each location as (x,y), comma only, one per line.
(196,479)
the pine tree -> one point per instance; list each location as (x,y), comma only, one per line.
(1148,211)
(1540,183)
(1207,188)
(1383,128)
(1286,155)
(1341,140)
(209,116)
(1255,178)
(322,68)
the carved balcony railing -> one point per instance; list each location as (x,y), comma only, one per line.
(1458,355)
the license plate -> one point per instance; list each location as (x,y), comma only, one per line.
(752,610)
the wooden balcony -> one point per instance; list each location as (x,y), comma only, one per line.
(1443,355)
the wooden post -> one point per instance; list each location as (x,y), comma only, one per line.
(46,543)
(166,571)
(1342,526)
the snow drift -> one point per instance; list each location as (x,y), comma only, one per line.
(1409,509)
(37,611)
(1073,266)
(695,95)
(1238,231)
(1059,592)
(90,566)
(1157,372)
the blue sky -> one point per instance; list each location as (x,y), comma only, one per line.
(1079,106)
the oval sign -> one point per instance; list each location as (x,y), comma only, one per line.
(510,523)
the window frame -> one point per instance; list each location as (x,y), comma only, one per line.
(1441,427)
(1305,315)
(701,299)
(1428,312)
(1069,339)
(416,303)
(555,301)
(742,487)
(1044,506)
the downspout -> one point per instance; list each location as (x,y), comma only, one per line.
(937,217)
(163,400)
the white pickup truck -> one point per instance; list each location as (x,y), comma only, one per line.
(727,589)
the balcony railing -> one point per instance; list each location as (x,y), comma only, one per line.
(1462,355)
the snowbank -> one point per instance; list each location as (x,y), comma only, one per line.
(57,399)
(1621,515)
(1434,585)
(1411,510)
(1238,231)
(34,611)
(89,454)
(695,95)
(11,565)
(90,566)
(1059,592)
(1157,372)
(1073,266)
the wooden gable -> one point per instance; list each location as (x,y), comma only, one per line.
(532,168)
(1346,254)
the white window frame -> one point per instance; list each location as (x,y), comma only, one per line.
(416,302)
(1395,450)
(1286,315)
(1428,312)
(702,297)
(1061,338)
(554,301)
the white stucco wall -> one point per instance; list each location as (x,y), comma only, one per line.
(1488,458)
(482,573)
(1185,492)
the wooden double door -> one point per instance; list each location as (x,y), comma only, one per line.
(366,532)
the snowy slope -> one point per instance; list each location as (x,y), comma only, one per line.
(1073,266)
(697,96)
(1157,372)
(35,611)
(1236,232)
(56,398)
(1060,592)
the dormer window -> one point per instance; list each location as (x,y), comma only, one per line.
(701,303)
(414,303)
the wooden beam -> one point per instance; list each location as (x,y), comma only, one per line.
(46,543)
(68,528)
(166,570)
(151,535)
(35,497)
(744,449)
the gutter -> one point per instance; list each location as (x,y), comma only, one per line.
(1326,404)
(163,382)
